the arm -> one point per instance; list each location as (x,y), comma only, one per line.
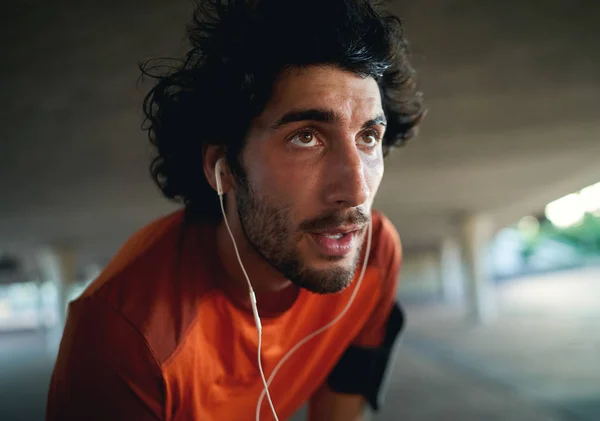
(104,369)
(360,375)
(327,405)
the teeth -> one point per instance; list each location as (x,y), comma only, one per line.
(335,237)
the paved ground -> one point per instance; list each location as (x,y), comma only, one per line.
(545,344)
(540,361)
(425,389)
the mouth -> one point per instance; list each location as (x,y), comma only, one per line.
(337,242)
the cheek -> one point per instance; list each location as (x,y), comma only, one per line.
(374,169)
(296,188)
(261,170)
(290,177)
(278,182)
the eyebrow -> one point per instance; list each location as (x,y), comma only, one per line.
(323,116)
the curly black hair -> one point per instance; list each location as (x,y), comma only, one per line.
(238,49)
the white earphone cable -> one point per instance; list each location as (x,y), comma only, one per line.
(318,331)
(303,341)
(254,311)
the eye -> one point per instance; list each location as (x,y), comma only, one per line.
(370,138)
(305,139)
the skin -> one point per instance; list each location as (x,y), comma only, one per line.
(302,177)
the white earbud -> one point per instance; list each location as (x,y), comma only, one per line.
(218,168)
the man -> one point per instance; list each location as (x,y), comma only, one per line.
(302,98)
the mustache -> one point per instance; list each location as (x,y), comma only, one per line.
(333,219)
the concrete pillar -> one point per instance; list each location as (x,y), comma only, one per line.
(478,230)
(58,265)
(452,278)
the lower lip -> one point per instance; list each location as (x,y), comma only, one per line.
(335,247)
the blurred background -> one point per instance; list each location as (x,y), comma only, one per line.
(497,201)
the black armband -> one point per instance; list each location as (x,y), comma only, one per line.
(365,371)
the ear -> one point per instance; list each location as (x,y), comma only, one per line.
(211,155)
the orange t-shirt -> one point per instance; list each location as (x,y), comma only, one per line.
(155,338)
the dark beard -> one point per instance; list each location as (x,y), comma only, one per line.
(268,231)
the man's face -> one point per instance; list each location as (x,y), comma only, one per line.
(313,163)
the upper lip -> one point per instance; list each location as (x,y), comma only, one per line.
(345,229)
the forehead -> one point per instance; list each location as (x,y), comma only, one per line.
(351,96)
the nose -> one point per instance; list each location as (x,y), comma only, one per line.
(346,177)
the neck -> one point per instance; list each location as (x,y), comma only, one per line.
(274,292)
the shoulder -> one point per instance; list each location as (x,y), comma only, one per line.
(97,333)
(104,366)
(135,252)
(155,282)
(386,247)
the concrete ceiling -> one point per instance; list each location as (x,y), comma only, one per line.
(512,89)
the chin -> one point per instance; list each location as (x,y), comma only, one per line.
(321,274)
(327,278)
(336,263)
